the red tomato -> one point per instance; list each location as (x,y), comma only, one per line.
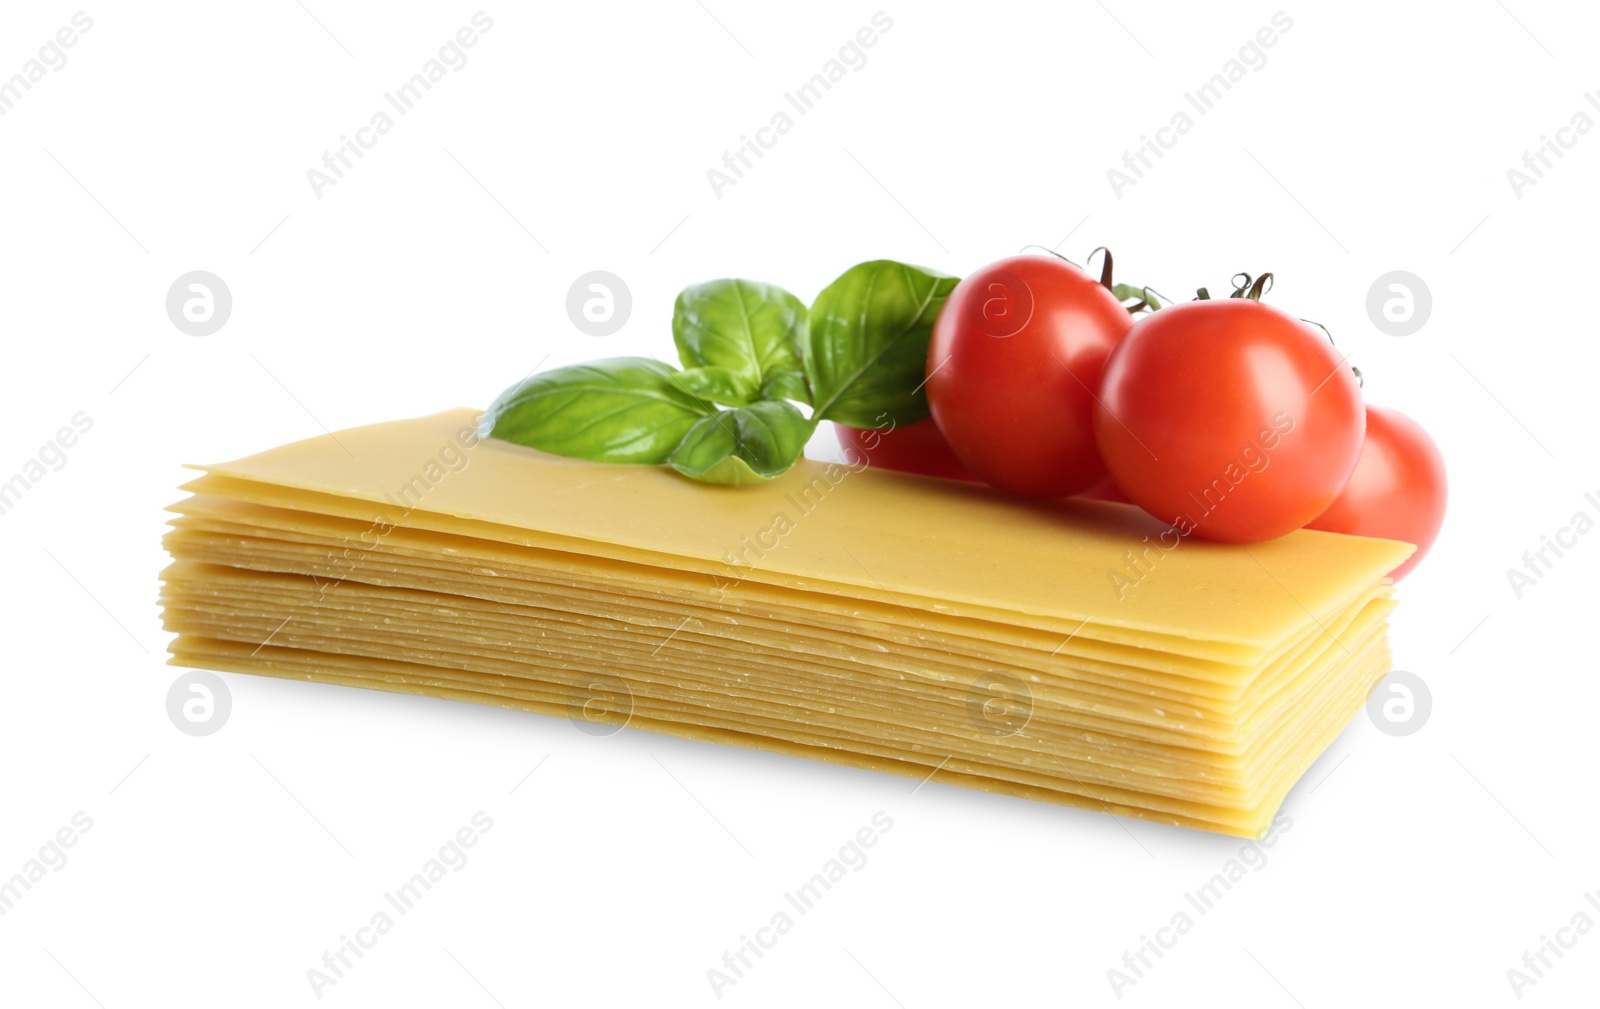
(915,448)
(1398,490)
(1016,354)
(1229,419)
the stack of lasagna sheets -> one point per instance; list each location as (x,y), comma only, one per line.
(1075,652)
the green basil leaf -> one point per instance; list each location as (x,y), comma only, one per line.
(716,385)
(621,409)
(786,384)
(868,347)
(747,327)
(747,444)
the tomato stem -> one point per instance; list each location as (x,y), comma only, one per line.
(1148,300)
(1244,286)
(1105,268)
(1050,252)
(1155,297)
(1122,292)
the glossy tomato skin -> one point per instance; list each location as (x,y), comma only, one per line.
(1398,490)
(914,448)
(1016,354)
(1230,419)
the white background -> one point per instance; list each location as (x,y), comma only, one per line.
(577,137)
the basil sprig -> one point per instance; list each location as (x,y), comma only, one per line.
(621,409)
(741,341)
(868,348)
(746,444)
(750,351)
